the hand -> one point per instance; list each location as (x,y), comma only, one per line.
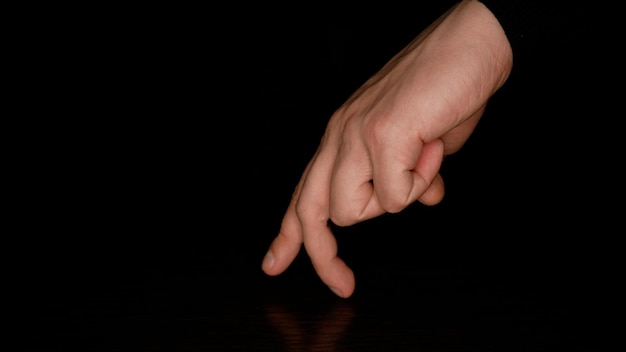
(382,149)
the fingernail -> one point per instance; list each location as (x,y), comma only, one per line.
(268,261)
(335,291)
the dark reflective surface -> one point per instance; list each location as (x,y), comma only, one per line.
(322,328)
(408,308)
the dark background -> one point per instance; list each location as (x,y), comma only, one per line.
(164,145)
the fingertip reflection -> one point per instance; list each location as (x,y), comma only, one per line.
(306,327)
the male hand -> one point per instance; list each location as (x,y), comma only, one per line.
(383,148)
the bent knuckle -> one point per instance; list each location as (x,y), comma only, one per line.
(342,219)
(394,204)
(308,212)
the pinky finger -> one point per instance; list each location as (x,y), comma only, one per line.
(434,193)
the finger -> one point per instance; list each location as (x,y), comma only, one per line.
(401,179)
(434,193)
(427,170)
(286,246)
(321,247)
(312,209)
(352,197)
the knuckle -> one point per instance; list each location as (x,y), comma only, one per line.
(341,219)
(345,216)
(394,204)
(308,212)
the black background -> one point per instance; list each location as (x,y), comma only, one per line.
(164,147)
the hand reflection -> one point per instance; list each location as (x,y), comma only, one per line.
(307,330)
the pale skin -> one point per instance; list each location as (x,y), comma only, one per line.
(383,148)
